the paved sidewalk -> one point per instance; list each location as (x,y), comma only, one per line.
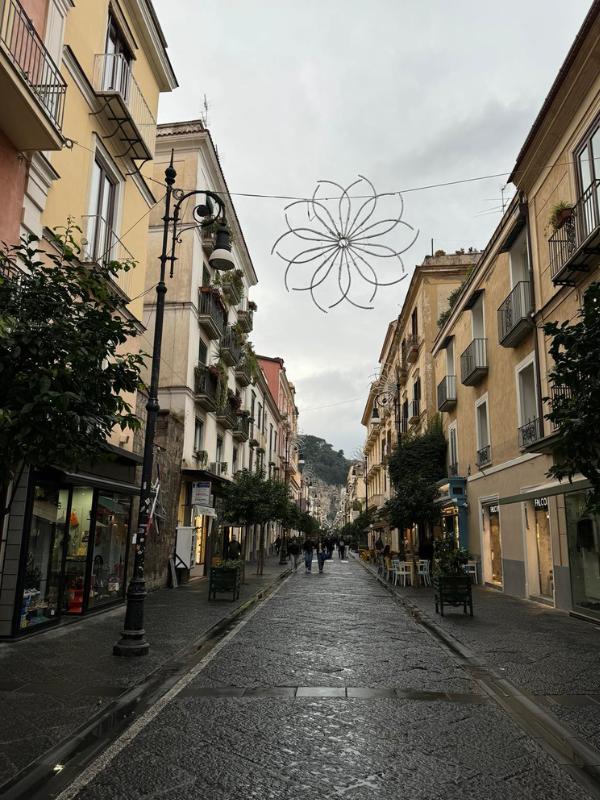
(549,655)
(52,683)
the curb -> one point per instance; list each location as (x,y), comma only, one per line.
(85,742)
(574,755)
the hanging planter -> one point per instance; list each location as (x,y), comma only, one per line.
(560,213)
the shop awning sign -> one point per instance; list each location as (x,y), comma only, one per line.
(201,493)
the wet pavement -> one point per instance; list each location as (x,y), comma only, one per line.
(330,689)
(53,683)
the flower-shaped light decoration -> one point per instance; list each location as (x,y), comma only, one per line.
(342,245)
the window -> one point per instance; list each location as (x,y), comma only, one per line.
(99,233)
(250,459)
(260,417)
(453,449)
(414,326)
(450,358)
(198,434)
(477,318)
(519,259)
(588,175)
(234,461)
(205,276)
(202,352)
(252,409)
(483,432)
(117,70)
(275,442)
(219,452)
(270,441)
(530,424)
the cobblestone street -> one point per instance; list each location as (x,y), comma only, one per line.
(330,689)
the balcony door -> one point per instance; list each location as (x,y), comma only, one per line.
(588,173)
(519,259)
(99,234)
(117,64)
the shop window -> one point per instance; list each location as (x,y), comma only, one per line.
(110,548)
(492,544)
(43,567)
(539,548)
(79,525)
(583,532)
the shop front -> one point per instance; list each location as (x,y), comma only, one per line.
(74,548)
(583,536)
(453,510)
(538,543)
(491,550)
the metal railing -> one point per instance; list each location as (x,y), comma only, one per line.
(514,309)
(113,76)
(245,319)
(414,409)
(473,359)
(532,431)
(242,426)
(558,394)
(568,239)
(232,345)
(209,306)
(36,66)
(227,416)
(484,455)
(446,392)
(101,245)
(205,382)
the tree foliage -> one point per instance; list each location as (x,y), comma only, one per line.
(416,465)
(575,350)
(63,371)
(328,464)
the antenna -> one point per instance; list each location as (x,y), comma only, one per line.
(204,112)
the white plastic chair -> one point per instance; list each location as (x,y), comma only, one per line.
(423,571)
(404,573)
(394,570)
(471,569)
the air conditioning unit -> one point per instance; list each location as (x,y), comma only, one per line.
(213,467)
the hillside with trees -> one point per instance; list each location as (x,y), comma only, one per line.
(327,464)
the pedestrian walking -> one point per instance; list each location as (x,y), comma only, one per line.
(341,549)
(321,554)
(294,551)
(308,548)
(234,549)
(277,544)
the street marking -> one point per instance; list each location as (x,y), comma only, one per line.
(105,758)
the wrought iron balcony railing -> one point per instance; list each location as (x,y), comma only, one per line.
(243,373)
(231,348)
(125,105)
(446,393)
(529,433)
(473,362)
(513,315)
(579,237)
(206,387)
(226,416)
(558,395)
(25,49)
(245,319)
(211,314)
(101,245)
(484,456)
(241,430)
(414,411)
(411,348)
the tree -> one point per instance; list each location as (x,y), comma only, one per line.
(575,349)
(415,466)
(326,463)
(63,372)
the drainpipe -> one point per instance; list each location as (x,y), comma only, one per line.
(524,209)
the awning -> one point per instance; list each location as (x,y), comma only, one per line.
(547,490)
(83,479)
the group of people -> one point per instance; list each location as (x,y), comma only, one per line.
(324,547)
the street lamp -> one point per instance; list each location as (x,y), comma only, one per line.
(133,638)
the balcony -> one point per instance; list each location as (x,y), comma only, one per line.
(513,315)
(124,105)
(402,374)
(484,456)
(206,387)
(579,238)
(245,320)
(534,441)
(414,412)
(101,245)
(226,417)
(446,393)
(243,373)
(31,86)
(231,348)
(473,362)
(211,314)
(531,432)
(558,395)
(403,425)
(412,345)
(241,431)
(376,501)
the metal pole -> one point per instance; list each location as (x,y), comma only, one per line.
(133,638)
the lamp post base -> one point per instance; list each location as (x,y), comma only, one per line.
(133,640)
(132,644)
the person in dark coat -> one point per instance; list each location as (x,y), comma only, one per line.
(234,549)
(308,548)
(294,551)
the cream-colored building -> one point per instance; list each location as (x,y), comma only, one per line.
(97,71)
(402,399)
(531,533)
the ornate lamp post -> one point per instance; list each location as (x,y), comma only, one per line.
(133,638)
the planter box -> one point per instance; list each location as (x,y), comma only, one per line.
(224,579)
(452,590)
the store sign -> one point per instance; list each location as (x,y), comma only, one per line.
(201,493)
(494,509)
(540,502)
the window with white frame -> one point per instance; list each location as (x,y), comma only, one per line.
(530,428)
(519,259)
(478,318)
(453,448)
(99,233)
(198,435)
(484,455)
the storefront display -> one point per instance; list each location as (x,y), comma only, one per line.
(583,532)
(539,548)
(492,544)
(110,547)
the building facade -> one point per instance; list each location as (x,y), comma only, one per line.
(65,547)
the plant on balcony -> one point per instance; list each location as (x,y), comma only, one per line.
(222,386)
(560,213)
(249,357)
(64,375)
(232,282)
(235,401)
(252,306)
(239,334)
(415,466)
(575,351)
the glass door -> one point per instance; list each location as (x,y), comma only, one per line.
(42,579)
(78,539)
(108,561)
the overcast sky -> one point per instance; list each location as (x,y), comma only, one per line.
(406,93)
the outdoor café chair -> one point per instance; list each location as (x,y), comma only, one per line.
(471,569)
(423,571)
(404,573)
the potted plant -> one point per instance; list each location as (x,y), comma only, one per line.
(561,212)
(452,586)
(252,306)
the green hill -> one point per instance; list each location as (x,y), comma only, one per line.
(330,465)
